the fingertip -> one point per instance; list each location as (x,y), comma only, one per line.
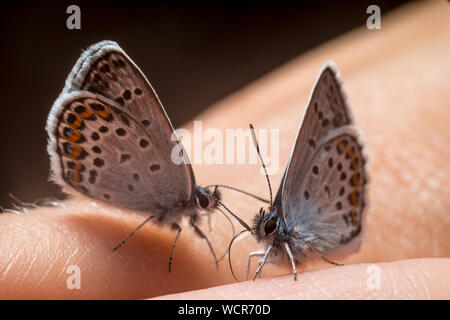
(406,279)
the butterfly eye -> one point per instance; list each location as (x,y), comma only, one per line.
(270,226)
(202,201)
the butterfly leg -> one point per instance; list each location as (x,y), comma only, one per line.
(291,258)
(262,262)
(172,252)
(250,256)
(202,235)
(131,234)
(323,257)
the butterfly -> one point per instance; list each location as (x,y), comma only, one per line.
(110,139)
(319,207)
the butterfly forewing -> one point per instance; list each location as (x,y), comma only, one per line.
(324,190)
(103,152)
(105,69)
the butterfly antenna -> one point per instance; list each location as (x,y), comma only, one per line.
(229,254)
(238,190)
(255,141)
(246,226)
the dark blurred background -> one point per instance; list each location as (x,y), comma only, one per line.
(193,54)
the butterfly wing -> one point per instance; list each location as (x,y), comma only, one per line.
(105,69)
(103,152)
(323,194)
(106,74)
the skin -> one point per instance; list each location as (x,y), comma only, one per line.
(400,100)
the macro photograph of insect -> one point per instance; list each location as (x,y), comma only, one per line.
(225,151)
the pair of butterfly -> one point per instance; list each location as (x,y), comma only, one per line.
(110,139)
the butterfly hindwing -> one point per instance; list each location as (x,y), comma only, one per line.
(331,199)
(105,69)
(323,193)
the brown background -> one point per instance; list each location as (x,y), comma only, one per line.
(194,55)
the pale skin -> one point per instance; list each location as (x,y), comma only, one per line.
(398,90)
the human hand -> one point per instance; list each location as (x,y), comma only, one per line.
(397,90)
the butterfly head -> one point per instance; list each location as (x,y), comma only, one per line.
(266,224)
(206,200)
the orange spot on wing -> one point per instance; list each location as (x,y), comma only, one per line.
(76,177)
(105,114)
(75,137)
(76,152)
(86,114)
(341,146)
(353,217)
(349,153)
(355,180)
(78,166)
(354,164)
(354,199)
(76,124)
